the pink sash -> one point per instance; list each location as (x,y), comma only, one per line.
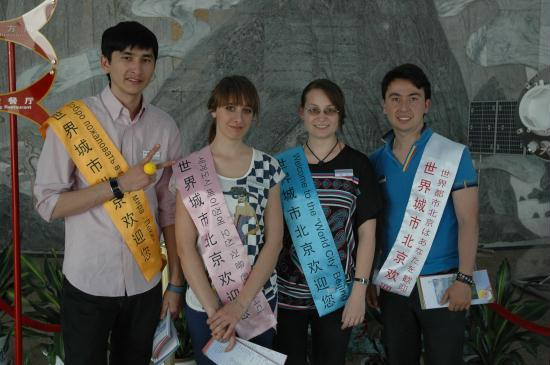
(221,248)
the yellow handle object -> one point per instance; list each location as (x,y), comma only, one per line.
(150,168)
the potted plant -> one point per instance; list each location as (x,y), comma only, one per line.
(493,339)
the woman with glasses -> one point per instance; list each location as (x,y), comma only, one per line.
(330,201)
(229,226)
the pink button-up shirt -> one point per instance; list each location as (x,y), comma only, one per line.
(97,260)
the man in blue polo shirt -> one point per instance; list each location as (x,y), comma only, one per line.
(426,179)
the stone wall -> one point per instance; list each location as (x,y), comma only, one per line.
(470,49)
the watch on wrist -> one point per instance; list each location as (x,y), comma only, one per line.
(362,281)
(113,182)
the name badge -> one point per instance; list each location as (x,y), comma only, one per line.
(156,156)
(344,172)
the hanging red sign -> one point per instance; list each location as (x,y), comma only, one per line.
(24,31)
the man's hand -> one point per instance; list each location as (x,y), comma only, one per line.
(459,296)
(135,178)
(171,302)
(372,296)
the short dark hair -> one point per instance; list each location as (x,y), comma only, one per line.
(128,34)
(409,72)
(236,90)
(332,91)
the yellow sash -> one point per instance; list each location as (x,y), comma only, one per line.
(97,159)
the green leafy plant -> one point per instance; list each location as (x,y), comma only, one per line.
(44,285)
(6,291)
(374,334)
(493,339)
(6,288)
(7,294)
(368,339)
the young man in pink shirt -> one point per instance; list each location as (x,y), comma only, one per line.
(106,293)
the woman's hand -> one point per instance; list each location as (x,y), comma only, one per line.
(354,311)
(223,322)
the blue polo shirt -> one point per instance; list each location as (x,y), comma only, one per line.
(396,183)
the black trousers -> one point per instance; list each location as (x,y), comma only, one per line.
(87,321)
(406,325)
(329,342)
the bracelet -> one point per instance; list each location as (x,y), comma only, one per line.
(463,278)
(175,289)
(362,281)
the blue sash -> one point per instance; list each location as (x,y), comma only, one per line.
(311,235)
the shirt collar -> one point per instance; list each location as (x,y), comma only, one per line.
(424,136)
(115,108)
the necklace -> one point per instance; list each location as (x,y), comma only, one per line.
(322,160)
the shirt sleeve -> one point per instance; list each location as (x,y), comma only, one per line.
(172,184)
(54,175)
(369,201)
(466,175)
(276,174)
(166,196)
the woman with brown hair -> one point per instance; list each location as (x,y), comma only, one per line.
(331,200)
(229,226)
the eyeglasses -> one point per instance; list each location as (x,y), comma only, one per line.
(329,111)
